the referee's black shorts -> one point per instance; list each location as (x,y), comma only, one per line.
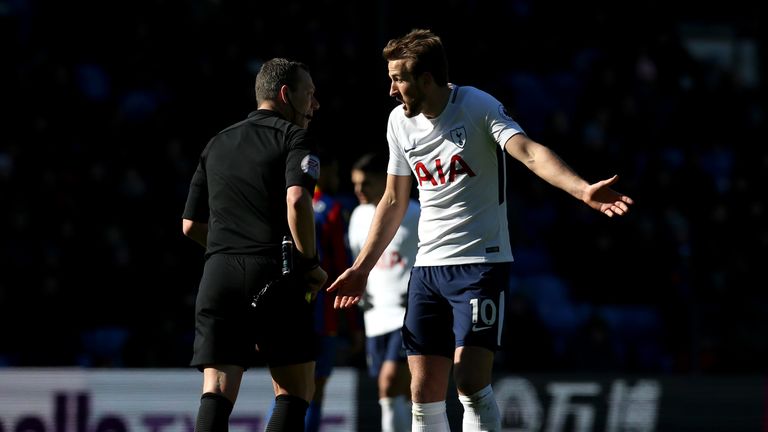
(228,330)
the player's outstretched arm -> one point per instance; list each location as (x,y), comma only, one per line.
(548,165)
(389,214)
(602,198)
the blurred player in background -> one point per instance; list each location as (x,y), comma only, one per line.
(452,139)
(339,331)
(386,293)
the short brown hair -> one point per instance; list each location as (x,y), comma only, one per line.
(425,51)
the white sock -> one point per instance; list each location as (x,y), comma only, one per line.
(481,413)
(430,417)
(395,414)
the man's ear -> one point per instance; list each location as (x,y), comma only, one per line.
(284,90)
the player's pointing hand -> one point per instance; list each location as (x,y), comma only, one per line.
(350,286)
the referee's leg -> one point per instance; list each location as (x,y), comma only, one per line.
(294,387)
(221,383)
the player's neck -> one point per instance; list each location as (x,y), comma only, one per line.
(436,102)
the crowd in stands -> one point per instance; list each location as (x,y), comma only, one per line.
(106,106)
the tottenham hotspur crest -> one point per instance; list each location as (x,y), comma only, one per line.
(459,136)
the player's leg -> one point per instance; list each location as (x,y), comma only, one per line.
(429,341)
(323,368)
(394,396)
(315,409)
(394,380)
(375,350)
(472,369)
(478,296)
(429,384)
(473,373)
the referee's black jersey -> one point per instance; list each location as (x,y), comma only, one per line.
(240,182)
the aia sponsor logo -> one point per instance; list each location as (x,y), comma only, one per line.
(439,174)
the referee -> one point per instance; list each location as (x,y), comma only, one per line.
(253,186)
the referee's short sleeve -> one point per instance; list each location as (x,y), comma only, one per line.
(302,167)
(196,208)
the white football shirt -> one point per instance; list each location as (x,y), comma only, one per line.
(388,281)
(459,165)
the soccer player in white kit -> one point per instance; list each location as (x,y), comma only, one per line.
(386,293)
(452,138)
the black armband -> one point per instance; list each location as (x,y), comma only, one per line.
(304,264)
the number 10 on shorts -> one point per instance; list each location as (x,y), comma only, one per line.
(483,314)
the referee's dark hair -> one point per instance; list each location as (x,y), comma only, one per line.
(274,74)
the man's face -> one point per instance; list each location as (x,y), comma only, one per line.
(405,87)
(302,100)
(368,188)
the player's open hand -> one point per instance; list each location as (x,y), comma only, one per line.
(602,198)
(350,286)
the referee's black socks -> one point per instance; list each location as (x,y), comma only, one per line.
(213,415)
(288,414)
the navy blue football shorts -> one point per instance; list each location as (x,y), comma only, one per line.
(229,330)
(379,349)
(455,305)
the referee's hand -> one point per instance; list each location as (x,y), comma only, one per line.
(315,280)
(351,286)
